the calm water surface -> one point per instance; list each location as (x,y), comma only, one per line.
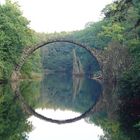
(63,97)
(25,104)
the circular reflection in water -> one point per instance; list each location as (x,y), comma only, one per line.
(33,112)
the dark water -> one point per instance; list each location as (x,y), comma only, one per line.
(65,107)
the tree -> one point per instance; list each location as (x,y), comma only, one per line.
(15,35)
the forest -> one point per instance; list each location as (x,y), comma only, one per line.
(117,35)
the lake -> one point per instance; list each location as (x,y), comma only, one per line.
(63,97)
(62,106)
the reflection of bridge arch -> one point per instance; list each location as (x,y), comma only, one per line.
(28,51)
(29,110)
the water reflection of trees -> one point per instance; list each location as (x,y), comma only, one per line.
(117,113)
(63,92)
(29,110)
(30,90)
(13,121)
(129,110)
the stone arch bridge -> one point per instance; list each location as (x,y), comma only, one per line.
(96,53)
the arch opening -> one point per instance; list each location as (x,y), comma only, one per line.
(27,52)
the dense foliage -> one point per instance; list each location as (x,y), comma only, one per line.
(58,57)
(15,35)
(123,18)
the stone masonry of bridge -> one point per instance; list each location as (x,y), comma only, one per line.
(96,53)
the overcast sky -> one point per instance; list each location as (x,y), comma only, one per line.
(61,15)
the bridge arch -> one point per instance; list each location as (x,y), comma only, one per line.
(28,51)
